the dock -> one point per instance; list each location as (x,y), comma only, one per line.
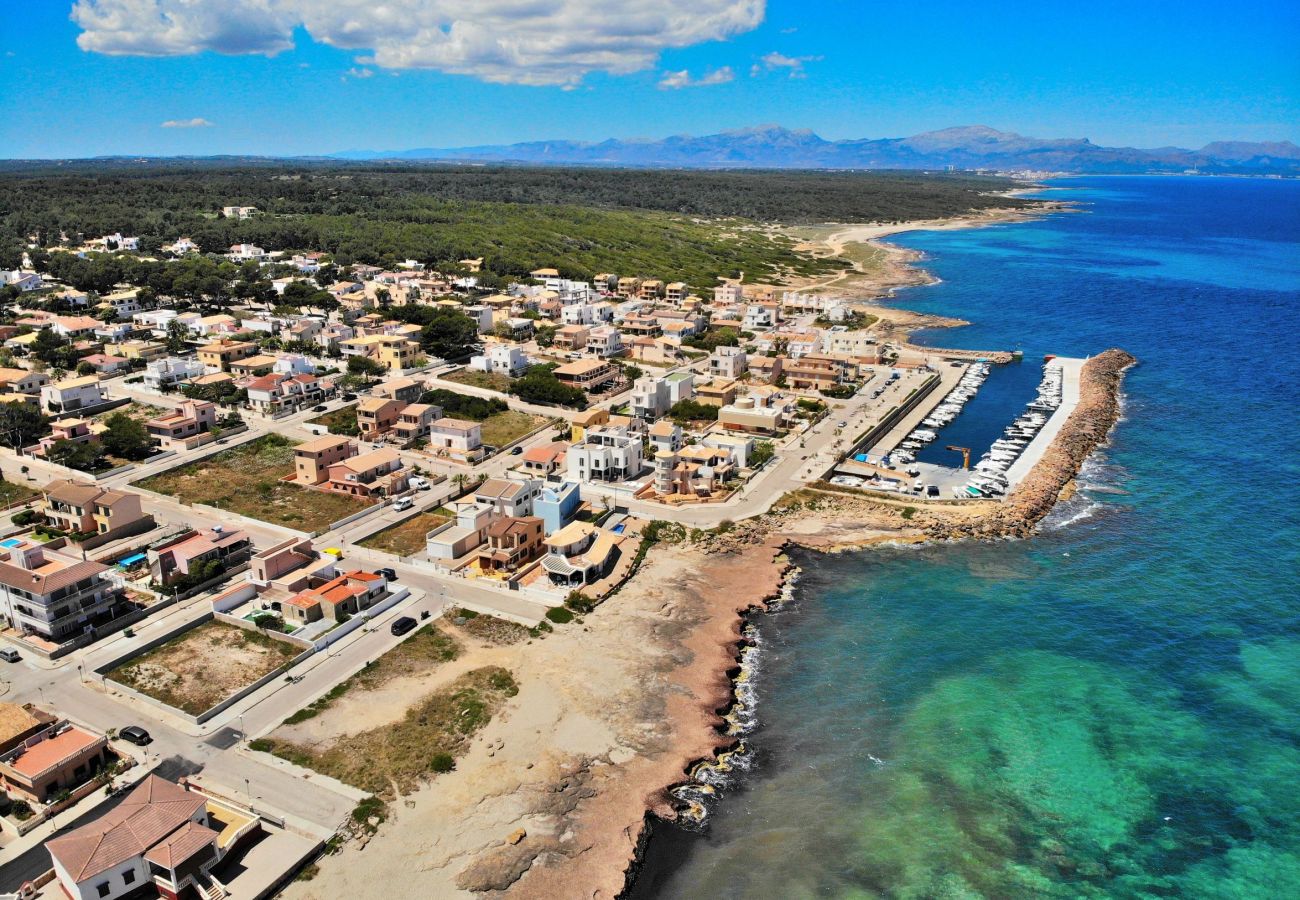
(1071,373)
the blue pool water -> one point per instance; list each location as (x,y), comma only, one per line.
(1111,709)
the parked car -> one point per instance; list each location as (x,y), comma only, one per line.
(401,504)
(136,735)
(9,654)
(932,490)
(420,483)
(402,626)
(320,408)
(349,397)
(387,573)
(515,451)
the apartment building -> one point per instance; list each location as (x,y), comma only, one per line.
(415,422)
(586,374)
(171,371)
(513,541)
(604,341)
(54,595)
(605,453)
(89,509)
(459,439)
(508,496)
(728,362)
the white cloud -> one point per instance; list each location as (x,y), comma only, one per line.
(196,122)
(544,42)
(672,81)
(775,60)
(354,72)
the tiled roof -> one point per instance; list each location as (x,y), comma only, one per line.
(149,814)
(181,844)
(65,745)
(48,578)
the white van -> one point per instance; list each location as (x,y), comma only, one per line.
(403,503)
(419,482)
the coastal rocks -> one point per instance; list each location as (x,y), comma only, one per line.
(1085,430)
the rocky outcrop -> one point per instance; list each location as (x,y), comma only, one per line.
(1084,432)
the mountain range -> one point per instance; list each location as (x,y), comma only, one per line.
(966,147)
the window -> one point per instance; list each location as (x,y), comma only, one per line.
(103,888)
(128,876)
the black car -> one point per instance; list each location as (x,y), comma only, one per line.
(320,408)
(932,491)
(515,451)
(135,734)
(402,626)
(349,396)
(387,573)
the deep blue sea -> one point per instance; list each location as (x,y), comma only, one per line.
(1112,708)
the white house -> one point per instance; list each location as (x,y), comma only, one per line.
(605,453)
(117,241)
(604,341)
(238,212)
(170,371)
(505,359)
(72,394)
(181,246)
(728,362)
(759,316)
(457,438)
(509,496)
(294,364)
(24,281)
(245,253)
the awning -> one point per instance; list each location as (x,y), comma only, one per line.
(558,565)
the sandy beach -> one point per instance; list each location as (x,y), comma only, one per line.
(554,797)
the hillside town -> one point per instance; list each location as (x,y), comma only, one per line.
(292,467)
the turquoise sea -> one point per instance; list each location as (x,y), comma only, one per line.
(1112,708)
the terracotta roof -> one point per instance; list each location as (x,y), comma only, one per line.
(50,577)
(326,442)
(65,745)
(181,844)
(73,492)
(151,812)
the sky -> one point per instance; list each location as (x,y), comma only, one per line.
(83,78)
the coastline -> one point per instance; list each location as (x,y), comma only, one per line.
(616,711)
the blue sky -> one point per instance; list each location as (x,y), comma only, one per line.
(284,77)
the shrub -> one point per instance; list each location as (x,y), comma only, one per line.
(579,602)
(559,615)
(262,745)
(442,762)
(909,511)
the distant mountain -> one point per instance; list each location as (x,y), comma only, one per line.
(968,147)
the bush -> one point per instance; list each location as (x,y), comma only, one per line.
(559,615)
(442,763)
(26,517)
(262,745)
(579,602)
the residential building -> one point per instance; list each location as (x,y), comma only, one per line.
(163,373)
(312,460)
(817,371)
(124,304)
(407,390)
(586,374)
(54,595)
(508,496)
(104,364)
(89,509)
(741,447)
(238,212)
(649,398)
(252,366)
(453,540)
(457,438)
(760,315)
(579,553)
(378,473)
(728,362)
(605,453)
(55,759)
(604,341)
(861,345)
(502,359)
(542,461)
(187,426)
(571,337)
(676,291)
(113,332)
(376,416)
(160,839)
(21,381)
(766,369)
(665,437)
(220,355)
(729,292)
(753,414)
(73,394)
(628,287)
(278,393)
(557,504)
(246,253)
(338,599)
(194,552)
(24,281)
(392,351)
(513,541)
(719,392)
(415,422)
(181,246)
(75,430)
(145,350)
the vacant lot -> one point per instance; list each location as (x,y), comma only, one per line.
(246,480)
(501,428)
(198,669)
(491,380)
(407,537)
(379,731)
(339,421)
